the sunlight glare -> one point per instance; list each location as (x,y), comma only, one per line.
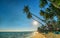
(35,23)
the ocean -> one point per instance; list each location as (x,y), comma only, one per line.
(19,34)
(15,34)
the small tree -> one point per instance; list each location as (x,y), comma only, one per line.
(53,10)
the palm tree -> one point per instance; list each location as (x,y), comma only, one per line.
(53,10)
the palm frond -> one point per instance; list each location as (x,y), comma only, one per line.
(26,9)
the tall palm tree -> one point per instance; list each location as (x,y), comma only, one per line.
(49,13)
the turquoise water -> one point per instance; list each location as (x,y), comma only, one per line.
(15,34)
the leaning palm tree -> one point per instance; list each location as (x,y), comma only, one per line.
(49,13)
(30,15)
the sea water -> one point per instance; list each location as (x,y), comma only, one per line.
(15,34)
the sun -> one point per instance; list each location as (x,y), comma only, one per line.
(35,23)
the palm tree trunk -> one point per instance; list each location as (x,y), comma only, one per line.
(37,21)
(38,18)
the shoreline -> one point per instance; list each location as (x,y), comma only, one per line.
(49,35)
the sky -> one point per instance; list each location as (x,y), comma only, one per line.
(12,16)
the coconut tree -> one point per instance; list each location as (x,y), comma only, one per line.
(53,10)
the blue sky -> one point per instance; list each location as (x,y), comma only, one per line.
(12,16)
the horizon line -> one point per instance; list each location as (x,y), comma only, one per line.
(15,30)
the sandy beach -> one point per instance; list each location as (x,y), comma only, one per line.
(38,35)
(49,35)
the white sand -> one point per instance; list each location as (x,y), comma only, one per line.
(41,35)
